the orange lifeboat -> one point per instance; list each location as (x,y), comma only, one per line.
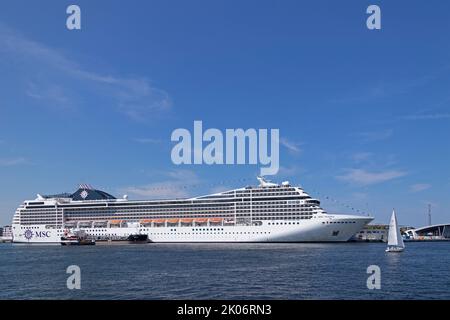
(201,220)
(159,221)
(173,220)
(186,220)
(216,220)
(145,221)
(115,221)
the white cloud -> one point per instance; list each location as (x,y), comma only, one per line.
(186,176)
(433,116)
(147,140)
(419,187)
(383,89)
(434,205)
(219,189)
(293,147)
(372,136)
(364,177)
(159,190)
(53,95)
(361,156)
(360,196)
(289,171)
(4,162)
(177,186)
(54,75)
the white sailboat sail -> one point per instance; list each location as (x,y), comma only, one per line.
(395,240)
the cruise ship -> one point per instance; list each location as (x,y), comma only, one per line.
(268,212)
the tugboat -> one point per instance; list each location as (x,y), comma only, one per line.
(71,239)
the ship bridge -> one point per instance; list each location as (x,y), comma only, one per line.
(86,193)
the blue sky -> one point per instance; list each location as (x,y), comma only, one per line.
(364,116)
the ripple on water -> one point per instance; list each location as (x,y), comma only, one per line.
(225,271)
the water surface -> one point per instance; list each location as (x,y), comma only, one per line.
(225,271)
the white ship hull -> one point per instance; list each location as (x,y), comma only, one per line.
(324,228)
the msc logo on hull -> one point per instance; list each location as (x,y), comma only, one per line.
(38,234)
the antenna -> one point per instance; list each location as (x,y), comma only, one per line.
(429,214)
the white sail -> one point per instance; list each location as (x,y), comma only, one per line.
(394,238)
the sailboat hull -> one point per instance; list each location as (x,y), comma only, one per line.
(395,249)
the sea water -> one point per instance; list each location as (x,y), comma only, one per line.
(226,271)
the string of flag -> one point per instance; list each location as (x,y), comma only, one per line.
(229,182)
(176,185)
(338,202)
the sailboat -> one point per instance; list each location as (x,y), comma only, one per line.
(395,240)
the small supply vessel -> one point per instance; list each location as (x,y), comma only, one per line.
(395,239)
(75,239)
(76,242)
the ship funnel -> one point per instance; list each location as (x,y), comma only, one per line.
(264,182)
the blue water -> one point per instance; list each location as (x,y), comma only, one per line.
(225,271)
